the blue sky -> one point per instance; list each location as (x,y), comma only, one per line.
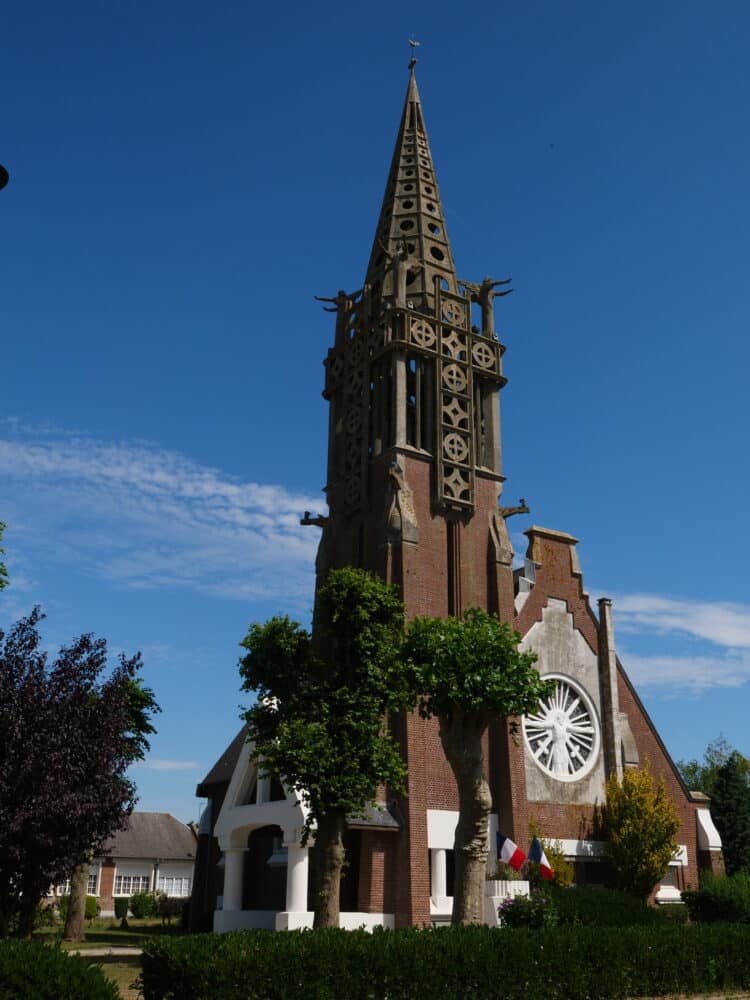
(185,178)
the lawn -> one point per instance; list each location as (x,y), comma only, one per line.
(107,933)
(122,970)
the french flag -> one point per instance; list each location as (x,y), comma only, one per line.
(536,853)
(509,853)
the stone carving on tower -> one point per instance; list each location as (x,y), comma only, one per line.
(408,369)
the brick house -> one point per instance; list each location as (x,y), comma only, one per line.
(413,486)
(155,852)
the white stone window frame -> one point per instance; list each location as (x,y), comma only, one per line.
(591,711)
(168,883)
(671,893)
(142,872)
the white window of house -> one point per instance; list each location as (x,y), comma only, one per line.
(126,885)
(175,885)
(92,888)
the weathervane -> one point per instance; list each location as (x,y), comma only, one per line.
(414,47)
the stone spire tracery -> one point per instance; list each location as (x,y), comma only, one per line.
(412,222)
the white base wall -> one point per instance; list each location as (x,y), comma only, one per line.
(241,920)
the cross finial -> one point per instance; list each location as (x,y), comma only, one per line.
(414,46)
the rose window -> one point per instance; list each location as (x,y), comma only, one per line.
(563,734)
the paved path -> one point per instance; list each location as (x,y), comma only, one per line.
(98,952)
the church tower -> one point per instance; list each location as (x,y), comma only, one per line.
(415,463)
(414,458)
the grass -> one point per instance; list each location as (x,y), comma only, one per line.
(107,933)
(122,971)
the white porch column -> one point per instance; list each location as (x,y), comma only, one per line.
(263,792)
(439,873)
(296,878)
(234,870)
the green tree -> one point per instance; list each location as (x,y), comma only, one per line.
(730,809)
(140,706)
(3,568)
(640,826)
(700,775)
(320,716)
(68,730)
(471,672)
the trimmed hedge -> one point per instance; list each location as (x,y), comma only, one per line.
(91,911)
(142,904)
(454,963)
(720,898)
(598,907)
(30,970)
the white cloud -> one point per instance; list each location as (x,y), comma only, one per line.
(162,764)
(144,517)
(688,674)
(723,623)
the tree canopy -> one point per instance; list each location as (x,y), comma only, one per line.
(640,826)
(730,809)
(68,733)
(322,701)
(470,671)
(700,776)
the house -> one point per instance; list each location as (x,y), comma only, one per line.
(155,852)
(414,488)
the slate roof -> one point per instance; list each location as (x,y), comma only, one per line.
(221,772)
(152,835)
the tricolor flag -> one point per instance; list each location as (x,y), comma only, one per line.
(509,853)
(536,853)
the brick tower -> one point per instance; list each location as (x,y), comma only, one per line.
(414,457)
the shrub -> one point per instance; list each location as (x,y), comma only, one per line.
(641,825)
(674,913)
(720,898)
(121,907)
(30,970)
(504,873)
(536,910)
(592,906)
(455,963)
(170,906)
(142,904)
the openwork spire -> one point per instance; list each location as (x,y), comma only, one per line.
(412,222)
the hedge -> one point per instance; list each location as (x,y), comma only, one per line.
(720,898)
(599,907)
(91,911)
(30,970)
(470,963)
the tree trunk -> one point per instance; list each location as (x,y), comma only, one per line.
(462,742)
(75,922)
(26,913)
(329,861)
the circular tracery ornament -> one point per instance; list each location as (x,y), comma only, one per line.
(563,734)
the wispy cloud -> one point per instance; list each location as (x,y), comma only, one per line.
(141,516)
(162,764)
(688,674)
(725,624)
(711,641)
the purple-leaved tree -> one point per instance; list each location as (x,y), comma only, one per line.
(69,730)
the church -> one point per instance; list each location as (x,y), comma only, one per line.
(414,484)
